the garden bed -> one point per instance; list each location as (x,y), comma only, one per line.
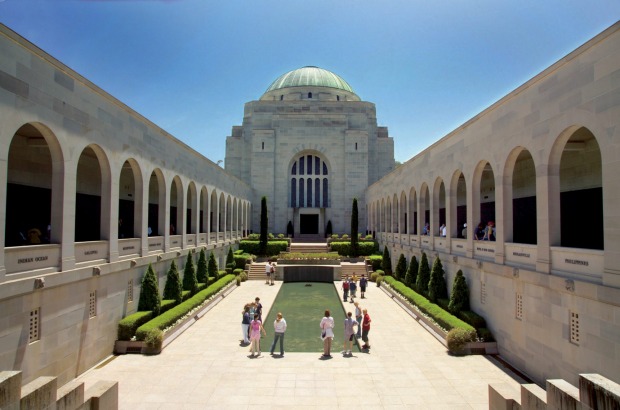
(136,346)
(434,329)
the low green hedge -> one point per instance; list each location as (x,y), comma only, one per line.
(344,248)
(128,325)
(473,319)
(273,247)
(166,305)
(174,314)
(375,261)
(443,318)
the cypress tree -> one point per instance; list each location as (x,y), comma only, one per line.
(189,275)
(173,288)
(424,275)
(386,263)
(201,270)
(354,224)
(230,260)
(437,287)
(328,229)
(264,226)
(412,273)
(212,269)
(459,299)
(401,268)
(149,292)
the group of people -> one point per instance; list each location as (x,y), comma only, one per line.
(481,233)
(353,329)
(252,328)
(270,272)
(349,287)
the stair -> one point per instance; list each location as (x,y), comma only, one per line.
(257,271)
(309,247)
(347,268)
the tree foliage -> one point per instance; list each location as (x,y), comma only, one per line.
(354,226)
(212,267)
(386,263)
(412,273)
(424,275)
(173,288)
(189,275)
(264,226)
(459,298)
(328,229)
(230,260)
(437,287)
(201,270)
(149,292)
(401,268)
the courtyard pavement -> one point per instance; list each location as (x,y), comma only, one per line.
(206,367)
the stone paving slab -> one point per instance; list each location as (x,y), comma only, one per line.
(206,367)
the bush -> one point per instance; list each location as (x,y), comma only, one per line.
(149,292)
(437,288)
(229,257)
(154,338)
(240,259)
(424,275)
(472,318)
(244,276)
(237,271)
(238,279)
(172,288)
(189,275)
(273,247)
(457,339)
(375,261)
(254,237)
(201,269)
(380,280)
(443,318)
(459,298)
(344,248)
(281,236)
(170,317)
(345,236)
(212,266)
(166,305)
(386,263)
(485,335)
(335,236)
(412,273)
(375,275)
(128,325)
(401,268)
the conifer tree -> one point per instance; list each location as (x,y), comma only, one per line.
(264,226)
(212,268)
(189,275)
(354,224)
(424,275)
(386,263)
(459,298)
(173,288)
(437,287)
(412,273)
(149,292)
(229,258)
(401,268)
(201,270)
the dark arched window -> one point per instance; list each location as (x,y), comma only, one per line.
(337,98)
(325,193)
(301,166)
(317,165)
(309,196)
(301,192)
(281,97)
(294,170)
(317,191)
(324,169)
(309,95)
(293,193)
(309,159)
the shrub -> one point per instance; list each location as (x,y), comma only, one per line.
(442,317)
(424,274)
(472,318)
(344,236)
(281,236)
(437,287)
(380,280)
(368,237)
(345,249)
(335,236)
(412,272)
(128,325)
(401,268)
(386,263)
(212,266)
(166,305)
(485,335)
(244,276)
(237,271)
(459,298)
(457,339)
(201,270)
(154,338)
(253,237)
(189,275)
(238,279)
(170,317)
(375,261)
(240,260)
(173,289)
(149,292)
(273,247)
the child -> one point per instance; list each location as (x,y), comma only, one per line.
(256,328)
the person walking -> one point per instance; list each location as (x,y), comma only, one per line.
(256,328)
(365,329)
(345,288)
(279,327)
(353,289)
(272,273)
(258,309)
(267,273)
(358,318)
(363,284)
(327,333)
(245,324)
(349,333)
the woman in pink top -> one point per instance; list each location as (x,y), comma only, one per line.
(256,328)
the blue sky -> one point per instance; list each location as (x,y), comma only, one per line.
(190,65)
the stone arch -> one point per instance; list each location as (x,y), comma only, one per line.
(192,212)
(309,175)
(156,203)
(483,194)
(520,215)
(221,214)
(439,205)
(130,199)
(413,210)
(214,222)
(458,205)
(204,210)
(425,209)
(403,213)
(176,206)
(92,195)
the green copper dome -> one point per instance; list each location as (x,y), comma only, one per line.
(310,76)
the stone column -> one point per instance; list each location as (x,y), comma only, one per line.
(63,212)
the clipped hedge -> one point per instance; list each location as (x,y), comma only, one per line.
(345,249)
(166,305)
(128,325)
(443,318)
(473,319)
(375,261)
(273,247)
(164,320)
